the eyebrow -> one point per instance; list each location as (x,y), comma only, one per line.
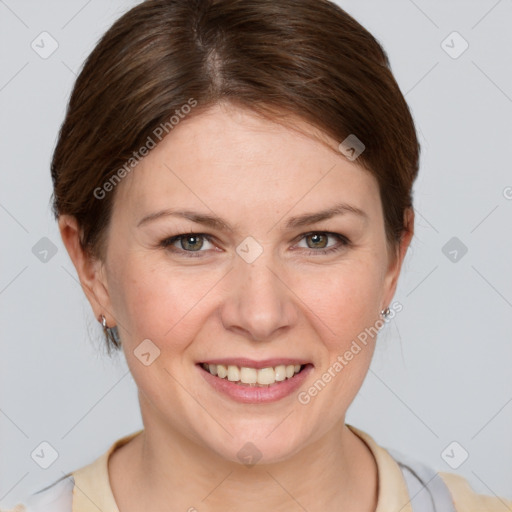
(293,222)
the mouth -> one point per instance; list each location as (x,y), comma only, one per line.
(250,376)
(255,382)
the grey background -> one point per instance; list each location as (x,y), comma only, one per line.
(442,369)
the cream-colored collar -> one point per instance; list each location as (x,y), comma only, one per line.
(393,495)
(92,491)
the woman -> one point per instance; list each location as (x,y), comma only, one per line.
(232,182)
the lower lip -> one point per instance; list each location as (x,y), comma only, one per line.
(256,394)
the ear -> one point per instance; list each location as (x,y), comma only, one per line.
(393,271)
(91,271)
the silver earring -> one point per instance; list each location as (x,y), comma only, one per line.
(111,332)
(385,312)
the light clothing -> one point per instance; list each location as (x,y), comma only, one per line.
(404,485)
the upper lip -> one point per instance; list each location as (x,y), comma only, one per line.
(251,363)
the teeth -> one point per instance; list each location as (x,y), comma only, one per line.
(233,373)
(280,372)
(245,375)
(267,376)
(248,375)
(222,371)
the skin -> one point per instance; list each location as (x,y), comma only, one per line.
(255,174)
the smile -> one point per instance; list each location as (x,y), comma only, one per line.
(251,385)
(252,376)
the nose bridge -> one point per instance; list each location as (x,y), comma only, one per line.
(259,302)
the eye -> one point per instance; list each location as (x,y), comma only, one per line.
(319,242)
(189,242)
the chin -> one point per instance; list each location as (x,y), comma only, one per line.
(257,446)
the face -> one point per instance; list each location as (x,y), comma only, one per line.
(258,284)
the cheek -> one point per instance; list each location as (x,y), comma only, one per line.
(344,299)
(345,306)
(161,303)
(167,304)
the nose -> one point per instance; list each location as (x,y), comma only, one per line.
(260,305)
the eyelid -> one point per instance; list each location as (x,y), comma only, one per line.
(169,241)
(343,242)
(317,231)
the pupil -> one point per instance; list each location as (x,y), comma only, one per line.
(193,238)
(316,238)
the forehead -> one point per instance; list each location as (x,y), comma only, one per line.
(232,156)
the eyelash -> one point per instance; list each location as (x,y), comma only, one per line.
(344,242)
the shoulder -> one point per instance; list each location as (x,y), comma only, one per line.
(444,491)
(57,497)
(466,499)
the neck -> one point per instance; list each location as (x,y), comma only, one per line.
(335,472)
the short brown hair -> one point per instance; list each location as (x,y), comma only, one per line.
(306,58)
